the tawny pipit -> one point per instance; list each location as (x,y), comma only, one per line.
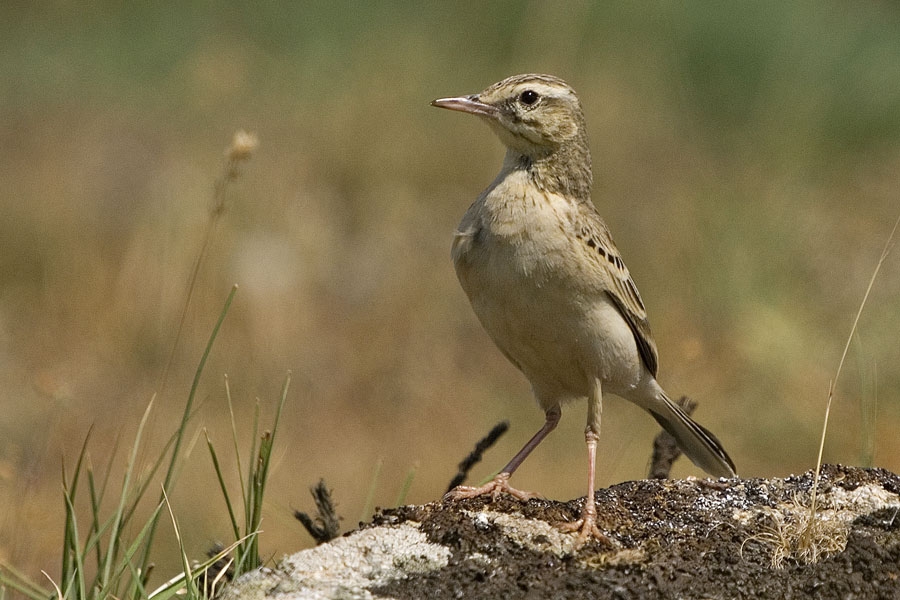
(548,284)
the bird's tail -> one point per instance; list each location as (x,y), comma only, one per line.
(697,442)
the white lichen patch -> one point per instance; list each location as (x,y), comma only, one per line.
(369,557)
(836,504)
(863,500)
(348,566)
(531,533)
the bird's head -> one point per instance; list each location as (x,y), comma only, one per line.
(534,115)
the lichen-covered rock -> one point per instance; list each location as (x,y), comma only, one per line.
(347,567)
(737,538)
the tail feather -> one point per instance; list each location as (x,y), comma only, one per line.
(697,442)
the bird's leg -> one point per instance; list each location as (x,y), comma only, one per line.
(586,525)
(500,484)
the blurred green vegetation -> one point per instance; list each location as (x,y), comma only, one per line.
(747,159)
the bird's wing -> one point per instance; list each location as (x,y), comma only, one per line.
(616,281)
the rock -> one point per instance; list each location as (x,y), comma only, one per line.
(694,538)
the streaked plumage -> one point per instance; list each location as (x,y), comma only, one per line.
(547,282)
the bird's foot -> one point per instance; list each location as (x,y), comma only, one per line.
(495,487)
(586,528)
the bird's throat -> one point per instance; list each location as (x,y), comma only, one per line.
(565,171)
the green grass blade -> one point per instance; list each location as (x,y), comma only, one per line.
(212,452)
(248,506)
(93,496)
(69,489)
(249,553)
(148,479)
(113,548)
(109,467)
(126,564)
(369,506)
(264,475)
(234,440)
(407,484)
(22,584)
(195,384)
(179,437)
(173,586)
(189,583)
(284,393)
(76,560)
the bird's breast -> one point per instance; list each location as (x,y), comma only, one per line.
(514,229)
(513,253)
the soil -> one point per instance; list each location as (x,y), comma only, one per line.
(671,539)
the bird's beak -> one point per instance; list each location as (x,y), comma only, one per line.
(467,104)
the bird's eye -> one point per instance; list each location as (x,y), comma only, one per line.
(528,97)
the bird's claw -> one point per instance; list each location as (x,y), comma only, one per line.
(587,529)
(495,487)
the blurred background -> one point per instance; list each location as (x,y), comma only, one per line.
(746,158)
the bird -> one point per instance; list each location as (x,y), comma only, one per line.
(549,286)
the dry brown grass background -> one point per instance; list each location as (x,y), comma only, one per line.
(747,159)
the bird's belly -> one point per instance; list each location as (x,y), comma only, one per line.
(558,334)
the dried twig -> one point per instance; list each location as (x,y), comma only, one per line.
(325,526)
(475,455)
(665,448)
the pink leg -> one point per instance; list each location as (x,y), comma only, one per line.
(586,525)
(500,483)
